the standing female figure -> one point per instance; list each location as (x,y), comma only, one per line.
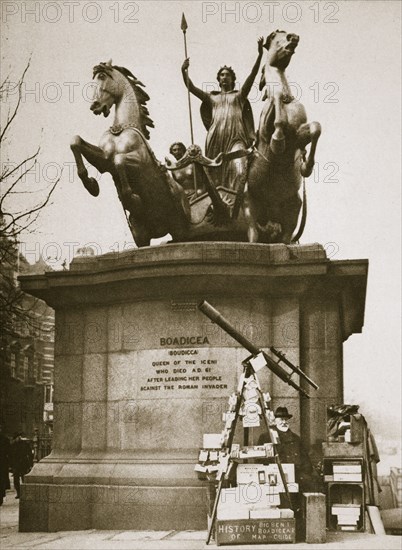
(228,117)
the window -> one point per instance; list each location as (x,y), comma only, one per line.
(31,367)
(38,370)
(13,365)
(25,369)
(49,393)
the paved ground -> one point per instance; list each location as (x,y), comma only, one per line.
(157,540)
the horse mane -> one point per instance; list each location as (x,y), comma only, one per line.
(140,94)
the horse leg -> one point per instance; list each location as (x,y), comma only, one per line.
(308,133)
(178,221)
(290,215)
(255,196)
(250,216)
(139,232)
(278,143)
(131,201)
(95,156)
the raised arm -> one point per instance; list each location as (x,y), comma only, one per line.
(193,89)
(245,89)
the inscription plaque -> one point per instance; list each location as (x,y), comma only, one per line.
(186,372)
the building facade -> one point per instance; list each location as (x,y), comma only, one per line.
(26,352)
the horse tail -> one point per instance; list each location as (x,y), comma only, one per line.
(300,231)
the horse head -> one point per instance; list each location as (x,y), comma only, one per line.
(106,89)
(118,86)
(280,46)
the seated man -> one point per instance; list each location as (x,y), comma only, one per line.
(291,449)
(185,176)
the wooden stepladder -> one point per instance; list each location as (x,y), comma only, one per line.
(248,382)
(256,361)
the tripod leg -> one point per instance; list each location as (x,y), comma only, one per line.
(230,441)
(218,492)
(214,509)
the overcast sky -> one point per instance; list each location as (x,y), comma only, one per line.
(346,71)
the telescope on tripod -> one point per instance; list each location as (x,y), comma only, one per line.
(272,365)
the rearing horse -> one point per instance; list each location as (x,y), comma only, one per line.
(156,203)
(276,171)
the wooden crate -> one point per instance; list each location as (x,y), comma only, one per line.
(255,531)
(345,493)
(345,450)
(396,486)
(396,477)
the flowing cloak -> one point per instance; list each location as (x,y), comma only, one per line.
(229,120)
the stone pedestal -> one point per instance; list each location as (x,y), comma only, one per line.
(314,518)
(141,374)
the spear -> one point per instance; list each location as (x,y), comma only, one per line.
(184,27)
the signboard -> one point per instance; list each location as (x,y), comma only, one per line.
(255,531)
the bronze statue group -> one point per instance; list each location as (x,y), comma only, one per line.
(245,186)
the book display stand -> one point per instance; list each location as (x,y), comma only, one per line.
(249,403)
(249,512)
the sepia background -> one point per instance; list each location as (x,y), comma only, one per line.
(346,71)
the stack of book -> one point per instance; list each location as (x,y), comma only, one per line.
(348,516)
(249,502)
(213,460)
(349,471)
(257,494)
(254,451)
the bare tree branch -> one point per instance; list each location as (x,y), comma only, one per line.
(35,209)
(17,219)
(15,183)
(20,82)
(6,174)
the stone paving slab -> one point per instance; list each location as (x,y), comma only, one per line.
(141,535)
(10,538)
(89,542)
(186,540)
(102,541)
(190,535)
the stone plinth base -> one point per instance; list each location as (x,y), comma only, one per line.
(76,507)
(141,374)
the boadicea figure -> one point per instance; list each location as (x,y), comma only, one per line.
(276,171)
(228,117)
(155,202)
